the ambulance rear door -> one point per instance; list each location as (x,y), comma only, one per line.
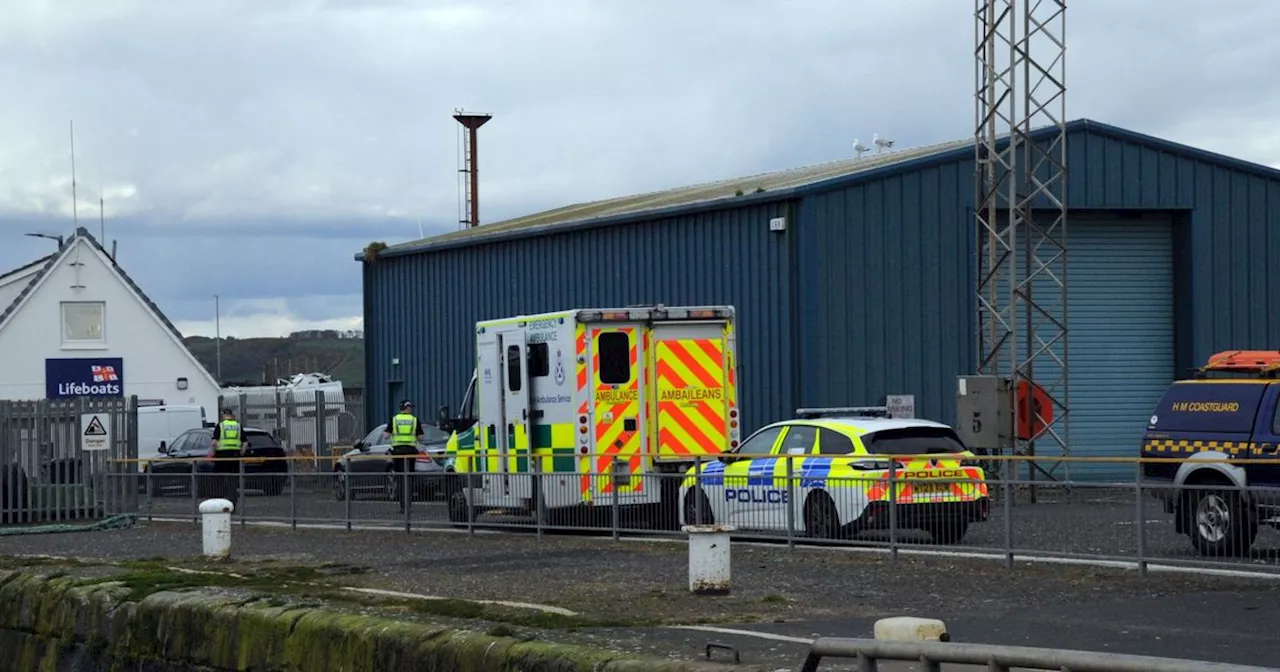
(618,409)
(693,389)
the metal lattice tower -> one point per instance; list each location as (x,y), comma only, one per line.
(1020,210)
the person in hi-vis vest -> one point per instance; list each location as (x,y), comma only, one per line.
(228,446)
(405,431)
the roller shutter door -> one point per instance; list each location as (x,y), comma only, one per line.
(1120,296)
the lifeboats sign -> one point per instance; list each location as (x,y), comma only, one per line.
(83,377)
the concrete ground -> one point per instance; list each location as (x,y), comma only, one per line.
(636,591)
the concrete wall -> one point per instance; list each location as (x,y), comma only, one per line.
(64,624)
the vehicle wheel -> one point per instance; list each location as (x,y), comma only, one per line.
(948,532)
(339,484)
(821,520)
(1220,524)
(691,499)
(458,507)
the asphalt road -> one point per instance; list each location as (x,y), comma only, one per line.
(1085,523)
(780,598)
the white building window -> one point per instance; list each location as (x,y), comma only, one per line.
(84,323)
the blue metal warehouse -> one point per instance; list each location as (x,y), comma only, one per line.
(868,290)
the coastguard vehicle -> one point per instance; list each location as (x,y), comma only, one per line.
(839,462)
(605,406)
(1219,437)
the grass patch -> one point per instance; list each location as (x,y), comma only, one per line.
(774,599)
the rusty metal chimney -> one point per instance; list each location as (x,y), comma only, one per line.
(471,122)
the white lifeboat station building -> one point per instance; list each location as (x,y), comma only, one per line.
(73,324)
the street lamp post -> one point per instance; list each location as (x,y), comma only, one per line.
(217,330)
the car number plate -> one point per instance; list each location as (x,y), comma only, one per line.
(931,488)
(254,460)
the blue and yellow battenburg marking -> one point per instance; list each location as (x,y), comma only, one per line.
(819,472)
(1193,446)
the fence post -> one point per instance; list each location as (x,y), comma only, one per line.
(131,453)
(1140,519)
(535,471)
(697,483)
(791,509)
(346,490)
(616,513)
(1010,470)
(893,509)
(293,495)
(470,500)
(409,465)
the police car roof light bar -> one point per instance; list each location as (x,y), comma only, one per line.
(843,412)
(1259,362)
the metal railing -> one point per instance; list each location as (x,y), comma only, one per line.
(58,459)
(1141,522)
(931,655)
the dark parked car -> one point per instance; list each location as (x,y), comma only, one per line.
(172,472)
(372,470)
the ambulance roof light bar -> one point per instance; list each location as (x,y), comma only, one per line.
(843,412)
(1257,362)
(655,312)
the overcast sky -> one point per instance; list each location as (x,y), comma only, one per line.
(251,148)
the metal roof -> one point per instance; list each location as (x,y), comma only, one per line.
(722,190)
(774,186)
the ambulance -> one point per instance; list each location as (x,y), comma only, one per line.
(578,410)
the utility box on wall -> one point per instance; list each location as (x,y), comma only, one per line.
(983,406)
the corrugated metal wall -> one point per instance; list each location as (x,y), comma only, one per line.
(422,308)
(885,291)
(1226,293)
(888,265)
(883,270)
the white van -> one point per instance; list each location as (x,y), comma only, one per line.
(163,423)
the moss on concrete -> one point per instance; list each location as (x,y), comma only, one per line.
(151,618)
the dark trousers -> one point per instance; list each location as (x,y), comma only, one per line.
(403,464)
(227,467)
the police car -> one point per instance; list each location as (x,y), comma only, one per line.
(1221,428)
(839,464)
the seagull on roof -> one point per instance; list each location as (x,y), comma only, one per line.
(859,149)
(881,143)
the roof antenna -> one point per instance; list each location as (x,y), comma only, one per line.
(74,216)
(102,217)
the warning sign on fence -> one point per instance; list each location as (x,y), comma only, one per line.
(95,431)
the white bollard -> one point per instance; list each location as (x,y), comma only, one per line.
(911,629)
(709,558)
(216,523)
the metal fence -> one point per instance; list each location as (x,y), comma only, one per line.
(1140,522)
(931,655)
(60,459)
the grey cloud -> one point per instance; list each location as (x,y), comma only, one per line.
(325,124)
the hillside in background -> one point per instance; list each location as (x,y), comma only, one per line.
(259,360)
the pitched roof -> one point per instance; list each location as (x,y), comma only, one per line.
(38,262)
(775,185)
(50,262)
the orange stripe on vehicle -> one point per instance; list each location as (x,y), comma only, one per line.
(692,364)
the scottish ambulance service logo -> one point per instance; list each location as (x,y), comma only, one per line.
(559,368)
